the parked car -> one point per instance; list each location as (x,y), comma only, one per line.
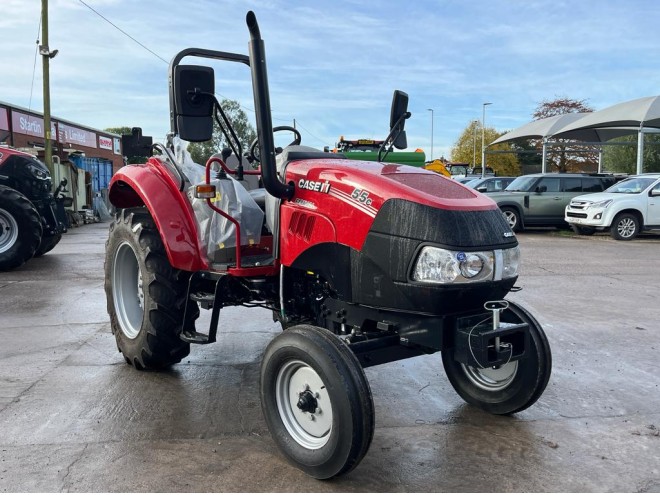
(490,184)
(626,208)
(540,199)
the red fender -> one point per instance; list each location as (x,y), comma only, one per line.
(153,186)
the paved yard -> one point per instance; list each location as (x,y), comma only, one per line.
(75,417)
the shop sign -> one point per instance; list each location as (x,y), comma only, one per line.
(4,120)
(29,125)
(117,143)
(105,143)
(74,135)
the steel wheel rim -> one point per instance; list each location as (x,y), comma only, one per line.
(511,218)
(8,231)
(626,227)
(310,430)
(492,379)
(127,293)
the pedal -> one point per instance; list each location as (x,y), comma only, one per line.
(203,298)
(196,337)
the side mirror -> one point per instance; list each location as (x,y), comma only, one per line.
(398,116)
(541,189)
(654,193)
(193,89)
(482,189)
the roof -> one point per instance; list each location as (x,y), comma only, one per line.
(618,120)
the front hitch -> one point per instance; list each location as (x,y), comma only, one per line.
(484,341)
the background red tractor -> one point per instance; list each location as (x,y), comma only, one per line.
(363,263)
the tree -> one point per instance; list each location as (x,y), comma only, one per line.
(560,106)
(468,146)
(119,130)
(201,152)
(566,155)
(623,159)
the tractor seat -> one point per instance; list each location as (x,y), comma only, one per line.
(259,196)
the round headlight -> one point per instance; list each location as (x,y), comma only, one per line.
(472,265)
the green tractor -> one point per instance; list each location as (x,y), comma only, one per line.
(372,150)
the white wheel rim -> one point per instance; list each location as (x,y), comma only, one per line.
(310,430)
(492,379)
(626,227)
(127,292)
(8,231)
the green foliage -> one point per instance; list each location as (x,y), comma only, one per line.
(201,152)
(119,130)
(468,146)
(623,159)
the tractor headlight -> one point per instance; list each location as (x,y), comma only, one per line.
(38,172)
(442,266)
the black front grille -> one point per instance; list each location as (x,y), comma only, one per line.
(576,215)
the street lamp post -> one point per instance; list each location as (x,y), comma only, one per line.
(483,139)
(474,142)
(431,110)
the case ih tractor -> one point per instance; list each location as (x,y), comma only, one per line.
(29,224)
(362,263)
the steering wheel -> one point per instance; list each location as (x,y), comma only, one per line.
(254,154)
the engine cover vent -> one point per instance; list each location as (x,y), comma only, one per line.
(302,225)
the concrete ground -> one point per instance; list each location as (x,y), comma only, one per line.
(75,417)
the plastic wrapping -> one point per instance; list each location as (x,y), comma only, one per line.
(193,171)
(217,233)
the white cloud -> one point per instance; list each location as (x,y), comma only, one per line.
(333,66)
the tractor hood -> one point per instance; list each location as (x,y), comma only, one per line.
(366,186)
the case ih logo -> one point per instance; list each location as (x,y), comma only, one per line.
(310,185)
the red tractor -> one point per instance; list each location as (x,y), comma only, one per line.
(362,263)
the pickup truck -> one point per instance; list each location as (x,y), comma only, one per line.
(626,209)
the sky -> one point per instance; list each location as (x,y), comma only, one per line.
(333,65)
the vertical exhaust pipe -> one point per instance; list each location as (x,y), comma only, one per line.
(257,54)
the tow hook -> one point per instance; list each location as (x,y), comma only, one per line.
(497,307)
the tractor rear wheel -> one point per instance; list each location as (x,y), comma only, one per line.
(509,388)
(316,401)
(20,229)
(146,297)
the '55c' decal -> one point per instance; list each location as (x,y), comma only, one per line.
(361,196)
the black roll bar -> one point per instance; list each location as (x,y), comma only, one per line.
(262,109)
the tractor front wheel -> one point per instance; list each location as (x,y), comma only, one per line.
(509,388)
(20,229)
(316,401)
(145,295)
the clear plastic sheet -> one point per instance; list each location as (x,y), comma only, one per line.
(215,231)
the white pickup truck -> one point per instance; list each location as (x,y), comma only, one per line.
(626,208)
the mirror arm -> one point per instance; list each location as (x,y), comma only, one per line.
(391,137)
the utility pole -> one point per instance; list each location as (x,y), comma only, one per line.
(46,54)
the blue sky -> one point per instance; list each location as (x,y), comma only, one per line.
(334,65)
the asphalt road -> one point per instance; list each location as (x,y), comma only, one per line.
(75,417)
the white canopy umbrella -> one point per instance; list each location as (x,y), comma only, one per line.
(552,127)
(634,114)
